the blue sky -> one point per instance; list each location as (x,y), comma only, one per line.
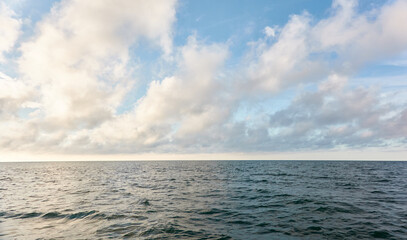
(221,79)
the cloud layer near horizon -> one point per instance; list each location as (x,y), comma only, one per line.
(76,71)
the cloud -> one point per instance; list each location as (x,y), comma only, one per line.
(269,31)
(9,30)
(78,58)
(178,107)
(192,93)
(335,116)
(332,117)
(306,50)
(13,94)
(78,67)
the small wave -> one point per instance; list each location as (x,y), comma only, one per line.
(81,192)
(240,222)
(381,234)
(263,224)
(383,180)
(119,228)
(332,210)
(278,174)
(322,177)
(346,184)
(159,230)
(261,181)
(58,215)
(282,195)
(103,216)
(81,214)
(31,215)
(314,228)
(265,205)
(164,230)
(224,237)
(262,191)
(301,201)
(139,185)
(213,211)
(268,231)
(377,192)
(282,174)
(53,215)
(122,216)
(144,202)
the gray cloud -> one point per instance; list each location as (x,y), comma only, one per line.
(325,119)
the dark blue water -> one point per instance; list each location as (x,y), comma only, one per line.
(203,200)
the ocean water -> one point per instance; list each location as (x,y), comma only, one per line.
(203,200)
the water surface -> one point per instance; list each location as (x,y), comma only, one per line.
(203,200)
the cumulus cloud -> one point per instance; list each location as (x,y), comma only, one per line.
(305,51)
(193,93)
(185,105)
(9,30)
(78,57)
(75,72)
(13,94)
(332,117)
(77,63)
(335,116)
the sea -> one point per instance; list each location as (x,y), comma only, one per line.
(204,200)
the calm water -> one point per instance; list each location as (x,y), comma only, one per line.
(203,200)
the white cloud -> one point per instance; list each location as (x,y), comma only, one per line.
(282,58)
(269,31)
(79,54)
(191,92)
(14,94)
(77,65)
(176,108)
(342,43)
(9,30)
(75,72)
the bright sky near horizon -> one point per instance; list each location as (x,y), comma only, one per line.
(127,79)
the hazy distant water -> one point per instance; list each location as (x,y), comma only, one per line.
(203,200)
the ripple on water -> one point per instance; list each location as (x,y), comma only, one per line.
(203,200)
(214,211)
(31,215)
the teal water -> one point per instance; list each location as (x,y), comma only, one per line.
(204,200)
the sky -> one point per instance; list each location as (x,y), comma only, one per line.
(168,79)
